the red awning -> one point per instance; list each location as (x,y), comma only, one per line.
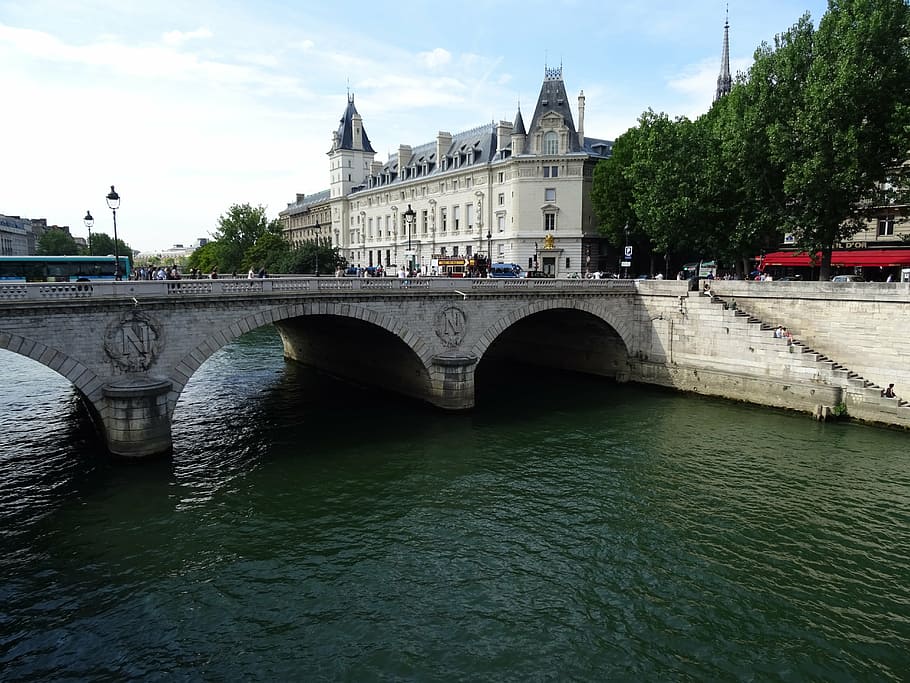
(840,257)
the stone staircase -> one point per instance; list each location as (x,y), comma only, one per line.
(838,374)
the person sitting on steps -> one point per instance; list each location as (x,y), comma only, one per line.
(889,392)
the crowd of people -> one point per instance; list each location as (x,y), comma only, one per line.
(153,272)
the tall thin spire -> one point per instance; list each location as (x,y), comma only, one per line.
(725,81)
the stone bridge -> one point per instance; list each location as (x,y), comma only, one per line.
(131,347)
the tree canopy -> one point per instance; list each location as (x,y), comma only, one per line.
(237,232)
(801,145)
(57,243)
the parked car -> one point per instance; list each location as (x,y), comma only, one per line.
(848,278)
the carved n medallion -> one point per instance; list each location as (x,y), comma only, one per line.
(133,341)
(450,326)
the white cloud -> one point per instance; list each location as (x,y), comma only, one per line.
(435,58)
(180,37)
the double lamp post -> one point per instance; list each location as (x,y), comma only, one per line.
(113,202)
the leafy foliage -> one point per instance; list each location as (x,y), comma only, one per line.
(57,243)
(237,232)
(303,259)
(801,144)
(103,245)
(205,258)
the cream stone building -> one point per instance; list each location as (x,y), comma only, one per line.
(520,193)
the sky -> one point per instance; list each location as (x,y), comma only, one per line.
(190,107)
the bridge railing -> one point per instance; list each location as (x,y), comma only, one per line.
(49,291)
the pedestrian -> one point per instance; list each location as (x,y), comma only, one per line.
(251,274)
(214,274)
(889,392)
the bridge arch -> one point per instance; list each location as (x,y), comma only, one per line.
(612,316)
(395,327)
(81,377)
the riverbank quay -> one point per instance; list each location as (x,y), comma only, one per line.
(849,341)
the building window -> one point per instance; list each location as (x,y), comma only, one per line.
(551,171)
(502,176)
(551,143)
(468,251)
(567,263)
(442,219)
(442,251)
(549,194)
(469,216)
(502,198)
(549,221)
(455,251)
(885,226)
(501,223)
(456,217)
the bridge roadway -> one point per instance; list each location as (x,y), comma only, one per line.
(131,347)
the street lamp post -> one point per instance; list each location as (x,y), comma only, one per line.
(316,227)
(113,203)
(626,250)
(409,221)
(89,222)
(489,249)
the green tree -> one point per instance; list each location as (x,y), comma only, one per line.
(664,179)
(303,259)
(269,251)
(56,242)
(205,258)
(237,232)
(103,245)
(612,193)
(849,124)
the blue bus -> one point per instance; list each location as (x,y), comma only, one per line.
(62,268)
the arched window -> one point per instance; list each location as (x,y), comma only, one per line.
(550,143)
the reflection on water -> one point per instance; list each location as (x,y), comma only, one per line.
(310,529)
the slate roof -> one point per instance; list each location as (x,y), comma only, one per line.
(553,98)
(308,200)
(346,129)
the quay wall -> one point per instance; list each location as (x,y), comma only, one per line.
(850,345)
(862,325)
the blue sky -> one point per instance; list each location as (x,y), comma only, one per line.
(189,107)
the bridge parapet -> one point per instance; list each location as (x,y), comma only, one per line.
(155,289)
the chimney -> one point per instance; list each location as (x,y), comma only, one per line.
(443,143)
(503,135)
(404,156)
(581,119)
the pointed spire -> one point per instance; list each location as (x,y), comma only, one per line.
(351,134)
(724,80)
(518,128)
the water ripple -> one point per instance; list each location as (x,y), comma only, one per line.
(299,532)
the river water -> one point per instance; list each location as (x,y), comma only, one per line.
(566,529)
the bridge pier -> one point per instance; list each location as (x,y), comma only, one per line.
(135,416)
(452,380)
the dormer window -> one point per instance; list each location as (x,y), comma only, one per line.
(550,143)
